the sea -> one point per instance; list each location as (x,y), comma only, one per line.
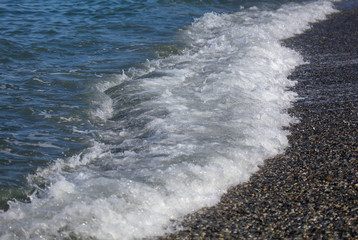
(120,117)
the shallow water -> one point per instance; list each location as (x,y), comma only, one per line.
(118,117)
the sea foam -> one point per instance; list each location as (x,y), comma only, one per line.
(173,136)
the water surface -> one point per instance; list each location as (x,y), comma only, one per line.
(120,117)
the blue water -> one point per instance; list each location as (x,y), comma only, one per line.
(111,104)
(52,52)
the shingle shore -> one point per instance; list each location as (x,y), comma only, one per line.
(311,191)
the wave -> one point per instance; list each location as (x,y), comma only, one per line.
(172,136)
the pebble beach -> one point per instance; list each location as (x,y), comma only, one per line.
(310,191)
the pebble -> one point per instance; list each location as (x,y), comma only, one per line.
(311,191)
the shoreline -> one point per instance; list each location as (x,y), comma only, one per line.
(310,191)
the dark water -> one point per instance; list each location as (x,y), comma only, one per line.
(106,98)
(53,52)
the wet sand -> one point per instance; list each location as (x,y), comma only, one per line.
(310,191)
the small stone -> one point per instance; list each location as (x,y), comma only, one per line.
(329,179)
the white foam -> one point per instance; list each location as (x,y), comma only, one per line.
(102,101)
(177,134)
